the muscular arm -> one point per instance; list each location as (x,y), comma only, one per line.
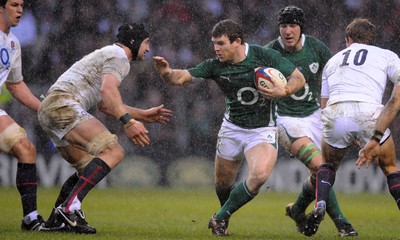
(295,82)
(23,94)
(112,101)
(112,105)
(177,77)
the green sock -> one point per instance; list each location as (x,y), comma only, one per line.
(333,209)
(304,199)
(239,196)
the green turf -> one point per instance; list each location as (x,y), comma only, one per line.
(184,214)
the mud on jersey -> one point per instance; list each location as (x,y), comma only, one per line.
(310,60)
(83,79)
(245,107)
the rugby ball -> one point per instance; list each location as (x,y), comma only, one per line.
(264,75)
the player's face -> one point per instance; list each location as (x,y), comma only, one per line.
(144,48)
(225,50)
(12,12)
(290,34)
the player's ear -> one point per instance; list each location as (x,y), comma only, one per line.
(349,41)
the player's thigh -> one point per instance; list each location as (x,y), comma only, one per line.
(261,160)
(85,132)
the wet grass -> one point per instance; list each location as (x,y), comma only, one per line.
(184,214)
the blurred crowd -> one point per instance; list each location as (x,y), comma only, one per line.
(56,33)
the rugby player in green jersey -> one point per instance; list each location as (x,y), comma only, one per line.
(299,116)
(248,129)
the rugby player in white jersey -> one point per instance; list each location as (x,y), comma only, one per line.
(353,84)
(13,138)
(248,130)
(82,139)
(299,115)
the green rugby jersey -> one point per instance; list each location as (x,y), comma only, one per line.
(310,60)
(245,107)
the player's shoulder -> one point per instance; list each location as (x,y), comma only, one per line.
(112,51)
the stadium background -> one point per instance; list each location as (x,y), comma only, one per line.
(55,33)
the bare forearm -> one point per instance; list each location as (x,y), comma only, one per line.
(23,94)
(390,111)
(386,116)
(295,82)
(136,113)
(177,77)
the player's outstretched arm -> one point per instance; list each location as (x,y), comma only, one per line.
(157,114)
(23,94)
(178,77)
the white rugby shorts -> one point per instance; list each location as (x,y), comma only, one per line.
(58,114)
(234,141)
(297,127)
(345,122)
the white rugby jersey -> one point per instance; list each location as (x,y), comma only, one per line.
(359,73)
(10,59)
(83,78)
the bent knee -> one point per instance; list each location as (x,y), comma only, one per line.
(112,154)
(259,178)
(101,142)
(14,139)
(117,151)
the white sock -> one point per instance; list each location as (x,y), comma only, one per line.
(76,205)
(31,216)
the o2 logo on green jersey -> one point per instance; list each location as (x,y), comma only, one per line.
(256,96)
(305,94)
(5,58)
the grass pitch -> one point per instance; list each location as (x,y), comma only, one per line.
(184,214)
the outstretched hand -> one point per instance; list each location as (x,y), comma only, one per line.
(162,65)
(368,153)
(157,114)
(136,131)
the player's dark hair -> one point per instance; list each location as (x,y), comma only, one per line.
(132,36)
(230,28)
(291,15)
(3,3)
(361,30)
